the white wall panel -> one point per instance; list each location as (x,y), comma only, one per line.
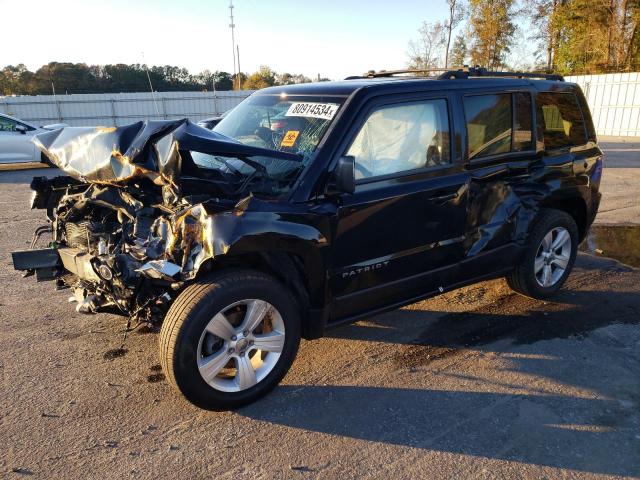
(119,108)
(614,101)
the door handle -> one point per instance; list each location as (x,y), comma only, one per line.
(444,198)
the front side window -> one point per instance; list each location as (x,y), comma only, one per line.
(402,137)
(561,120)
(7,125)
(498,123)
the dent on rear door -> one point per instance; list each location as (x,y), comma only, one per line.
(498,206)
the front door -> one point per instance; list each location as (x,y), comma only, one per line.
(400,234)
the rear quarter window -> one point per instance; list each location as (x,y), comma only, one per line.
(560,120)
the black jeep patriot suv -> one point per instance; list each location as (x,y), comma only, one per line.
(311,205)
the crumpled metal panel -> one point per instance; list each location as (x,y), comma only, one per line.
(151,149)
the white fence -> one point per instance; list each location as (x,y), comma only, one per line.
(109,109)
(614,101)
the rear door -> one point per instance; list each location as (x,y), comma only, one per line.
(499,151)
(400,234)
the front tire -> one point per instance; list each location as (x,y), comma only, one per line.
(550,254)
(228,340)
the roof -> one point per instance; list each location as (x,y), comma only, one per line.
(347,87)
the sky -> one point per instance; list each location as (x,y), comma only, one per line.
(327,37)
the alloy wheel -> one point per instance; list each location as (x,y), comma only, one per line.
(241,345)
(552,257)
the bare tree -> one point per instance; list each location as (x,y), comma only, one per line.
(456,15)
(426,51)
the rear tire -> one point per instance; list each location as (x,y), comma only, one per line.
(550,254)
(229,339)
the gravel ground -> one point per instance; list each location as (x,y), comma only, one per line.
(478,382)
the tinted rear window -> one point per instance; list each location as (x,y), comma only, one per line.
(498,123)
(560,120)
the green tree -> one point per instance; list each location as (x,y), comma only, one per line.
(82,78)
(223,80)
(491,28)
(289,79)
(583,35)
(265,77)
(543,30)
(16,80)
(586,36)
(459,52)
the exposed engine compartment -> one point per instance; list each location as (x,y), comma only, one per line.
(123,249)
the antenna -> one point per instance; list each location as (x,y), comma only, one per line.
(233,39)
(153,94)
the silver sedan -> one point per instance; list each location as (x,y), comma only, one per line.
(15,140)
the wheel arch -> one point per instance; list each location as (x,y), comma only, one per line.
(576,207)
(287,267)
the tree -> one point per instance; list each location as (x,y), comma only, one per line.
(583,35)
(491,28)
(456,15)
(82,78)
(289,79)
(543,31)
(15,80)
(586,35)
(631,35)
(264,77)
(426,51)
(459,52)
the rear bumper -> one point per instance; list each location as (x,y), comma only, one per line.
(595,205)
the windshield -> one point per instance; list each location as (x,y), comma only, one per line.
(293,124)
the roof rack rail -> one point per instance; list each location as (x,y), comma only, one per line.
(391,73)
(460,73)
(466,72)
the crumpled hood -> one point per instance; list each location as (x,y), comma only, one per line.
(149,149)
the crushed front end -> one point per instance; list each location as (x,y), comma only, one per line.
(133,221)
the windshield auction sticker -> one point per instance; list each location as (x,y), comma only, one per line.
(289,138)
(314,110)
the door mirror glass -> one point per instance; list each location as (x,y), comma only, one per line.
(343,179)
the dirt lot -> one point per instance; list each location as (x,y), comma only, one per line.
(476,383)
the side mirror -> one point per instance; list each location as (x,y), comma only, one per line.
(21,128)
(343,179)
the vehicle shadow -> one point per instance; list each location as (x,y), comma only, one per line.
(514,427)
(563,414)
(512,317)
